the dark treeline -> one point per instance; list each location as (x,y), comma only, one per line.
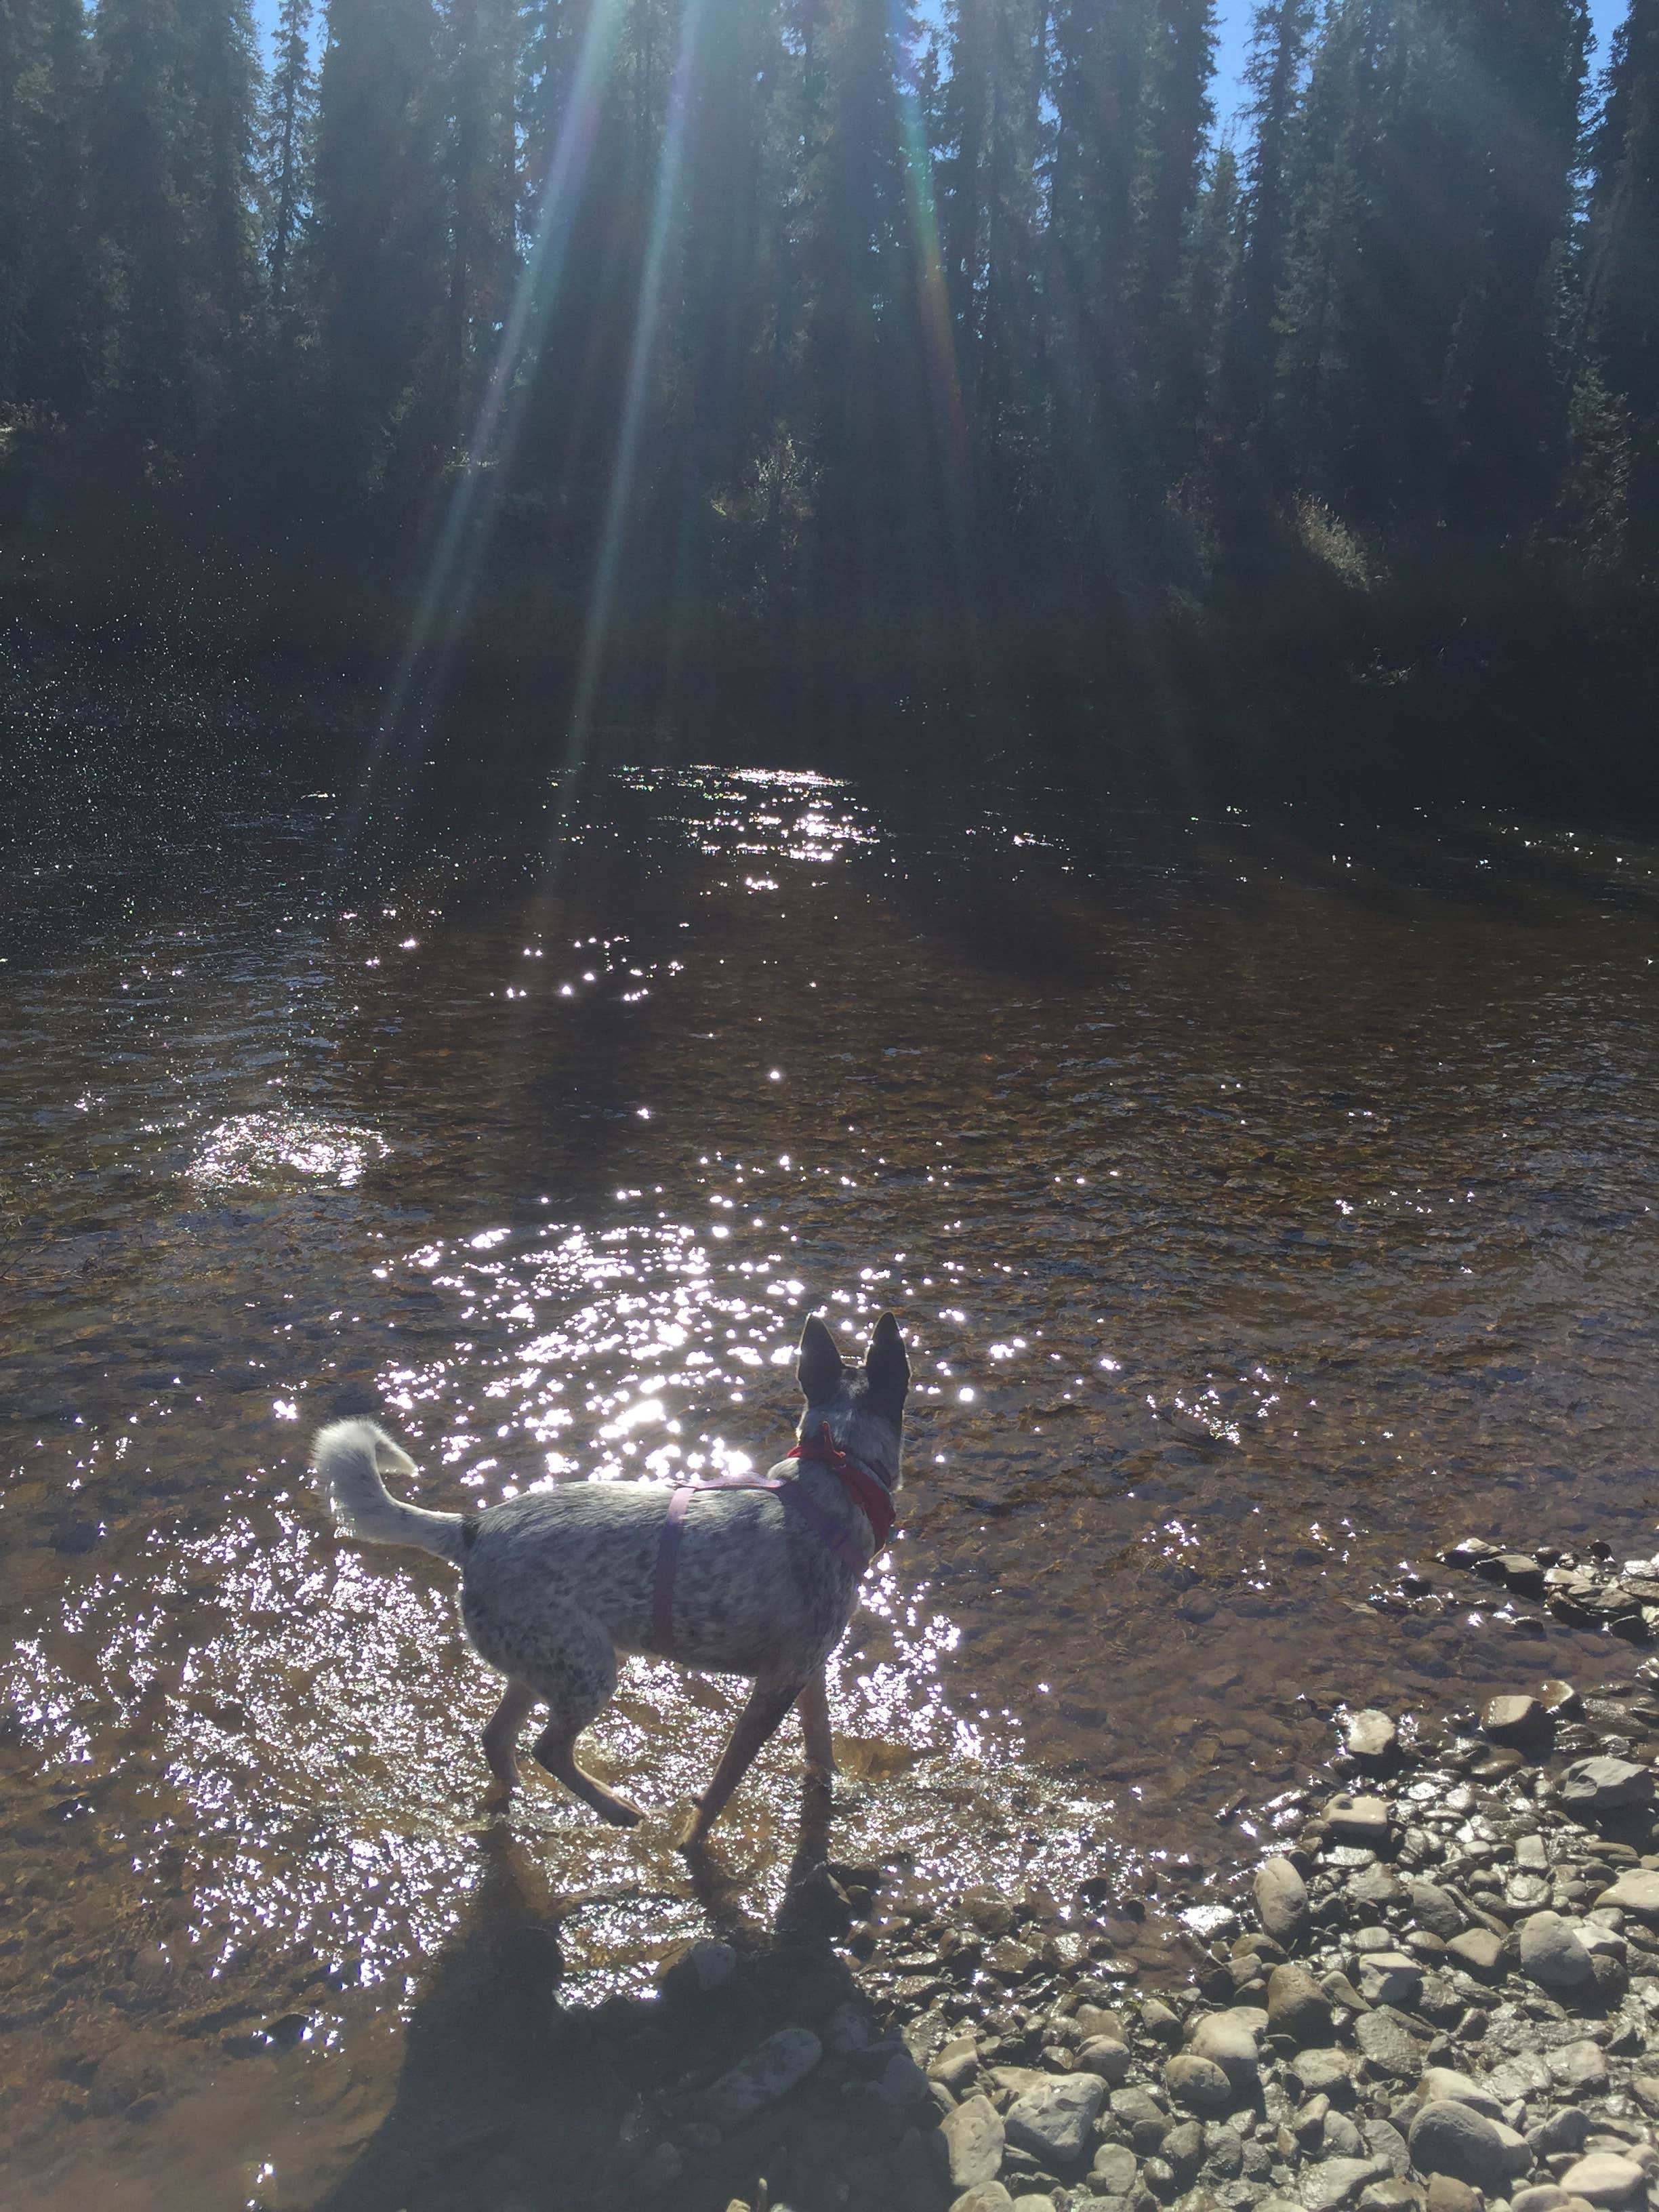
(814,335)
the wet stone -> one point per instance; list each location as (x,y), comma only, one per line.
(1513,1720)
(1520,1571)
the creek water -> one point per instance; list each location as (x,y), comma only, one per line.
(1265,1203)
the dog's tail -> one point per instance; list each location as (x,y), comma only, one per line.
(349,1455)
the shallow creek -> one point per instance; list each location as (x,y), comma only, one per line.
(1265,1204)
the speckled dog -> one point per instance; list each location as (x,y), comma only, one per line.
(737,1580)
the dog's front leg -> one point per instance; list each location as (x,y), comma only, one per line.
(814,1705)
(758,1722)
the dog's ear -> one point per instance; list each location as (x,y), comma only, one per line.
(888,1368)
(819,1364)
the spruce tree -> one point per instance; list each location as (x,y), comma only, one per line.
(1273,73)
(378,234)
(289,127)
(1619,364)
(48,331)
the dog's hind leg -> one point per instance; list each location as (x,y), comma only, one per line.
(576,1672)
(758,1722)
(814,1705)
(501,1735)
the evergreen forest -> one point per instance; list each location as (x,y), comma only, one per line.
(819,345)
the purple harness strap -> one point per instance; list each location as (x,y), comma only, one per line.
(673,1528)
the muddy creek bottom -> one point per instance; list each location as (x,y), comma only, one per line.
(1264,1204)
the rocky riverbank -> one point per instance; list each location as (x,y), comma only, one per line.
(1437,1990)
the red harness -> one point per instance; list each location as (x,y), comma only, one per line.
(871,1496)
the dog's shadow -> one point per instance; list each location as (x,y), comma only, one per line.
(508,2099)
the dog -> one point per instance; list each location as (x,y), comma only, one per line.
(748,1576)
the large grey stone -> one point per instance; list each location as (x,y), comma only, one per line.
(1297,2006)
(1369,1735)
(1561,2133)
(1326,2072)
(770,2071)
(1637,1891)
(1384,2142)
(1333,2181)
(1231,2038)
(1357,1821)
(1105,2055)
(974,2138)
(1513,1720)
(1437,1910)
(1449,2137)
(983,2196)
(1604,2178)
(1478,1951)
(1581,2067)
(955,2064)
(1602,1784)
(1112,2173)
(1552,1954)
(1389,1977)
(1138,2112)
(1389,2046)
(1054,2120)
(1522,2073)
(1196,2082)
(1281,1899)
(1441,2083)
(903,2080)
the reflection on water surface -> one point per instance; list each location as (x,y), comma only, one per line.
(1261,1207)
